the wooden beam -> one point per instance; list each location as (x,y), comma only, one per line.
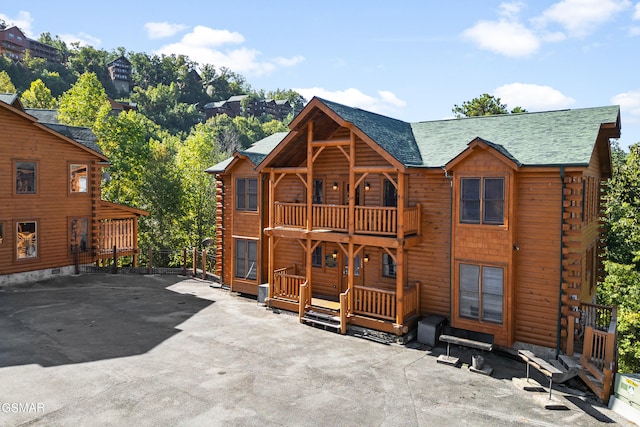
(375,169)
(299,169)
(393,181)
(345,154)
(330,142)
(315,156)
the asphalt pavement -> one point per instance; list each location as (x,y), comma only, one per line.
(135,350)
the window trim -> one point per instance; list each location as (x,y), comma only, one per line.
(245,260)
(36,232)
(482,201)
(386,256)
(36,178)
(71,243)
(383,193)
(322,191)
(313,263)
(70,173)
(480,317)
(247,195)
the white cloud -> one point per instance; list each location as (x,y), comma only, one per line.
(532,97)
(509,38)
(22,21)
(634,31)
(83,39)
(386,103)
(636,13)
(160,30)
(511,10)
(629,103)
(580,17)
(206,45)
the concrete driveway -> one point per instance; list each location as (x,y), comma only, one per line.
(159,350)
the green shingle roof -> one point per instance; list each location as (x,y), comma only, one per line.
(564,137)
(256,152)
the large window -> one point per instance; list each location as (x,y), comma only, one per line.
(388,266)
(246,259)
(482,200)
(318,191)
(316,257)
(389,194)
(78,178)
(247,194)
(481,293)
(79,234)
(26,177)
(26,240)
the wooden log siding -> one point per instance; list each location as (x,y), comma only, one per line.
(118,233)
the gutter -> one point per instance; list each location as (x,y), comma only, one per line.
(559,329)
(450,178)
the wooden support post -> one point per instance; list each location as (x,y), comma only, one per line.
(571,326)
(401,204)
(309,176)
(418,298)
(309,269)
(352,267)
(115,260)
(204,264)
(184,261)
(352,184)
(400,279)
(195,262)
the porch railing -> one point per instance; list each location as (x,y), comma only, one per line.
(599,353)
(368,219)
(286,285)
(374,302)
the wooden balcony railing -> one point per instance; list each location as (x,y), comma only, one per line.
(368,219)
(374,302)
(599,353)
(117,232)
(286,285)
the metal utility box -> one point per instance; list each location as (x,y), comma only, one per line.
(429,329)
(627,389)
(263,293)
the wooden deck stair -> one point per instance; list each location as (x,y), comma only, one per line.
(322,317)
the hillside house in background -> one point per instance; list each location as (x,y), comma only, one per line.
(491,222)
(120,74)
(50,205)
(15,44)
(279,109)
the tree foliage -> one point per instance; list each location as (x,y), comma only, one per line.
(621,286)
(79,105)
(38,96)
(6,85)
(484,105)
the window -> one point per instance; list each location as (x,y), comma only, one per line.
(247,194)
(1,233)
(316,257)
(388,266)
(389,194)
(481,293)
(25,177)
(79,234)
(318,191)
(488,209)
(78,178)
(357,262)
(27,240)
(246,259)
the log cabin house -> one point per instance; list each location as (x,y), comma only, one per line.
(492,222)
(50,197)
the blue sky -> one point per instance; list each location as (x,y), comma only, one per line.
(412,60)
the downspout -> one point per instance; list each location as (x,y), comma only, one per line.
(262,257)
(450,178)
(559,330)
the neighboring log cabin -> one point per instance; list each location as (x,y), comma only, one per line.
(51,211)
(492,222)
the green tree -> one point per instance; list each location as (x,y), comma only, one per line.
(79,106)
(6,86)
(621,286)
(484,105)
(38,96)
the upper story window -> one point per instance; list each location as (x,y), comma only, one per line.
(26,177)
(482,201)
(318,191)
(78,178)
(26,240)
(247,194)
(389,194)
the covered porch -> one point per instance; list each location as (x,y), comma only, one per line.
(368,305)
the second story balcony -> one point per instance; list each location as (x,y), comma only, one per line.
(376,220)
